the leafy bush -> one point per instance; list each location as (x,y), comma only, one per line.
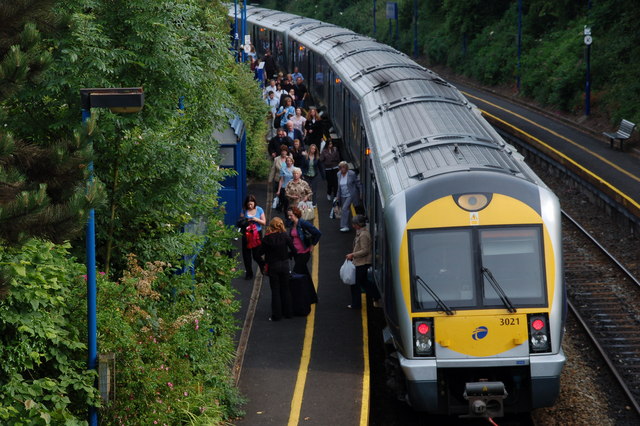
(43,376)
(172,339)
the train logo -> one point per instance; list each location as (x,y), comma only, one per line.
(480,333)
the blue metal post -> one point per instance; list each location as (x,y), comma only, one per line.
(519,42)
(415,28)
(244,28)
(235,28)
(587,88)
(374,18)
(92,322)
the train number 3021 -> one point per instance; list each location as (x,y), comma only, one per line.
(509,321)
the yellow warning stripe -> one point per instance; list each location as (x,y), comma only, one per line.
(305,358)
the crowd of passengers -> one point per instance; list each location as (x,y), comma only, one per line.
(303,154)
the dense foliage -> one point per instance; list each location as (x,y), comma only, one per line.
(479,39)
(157,176)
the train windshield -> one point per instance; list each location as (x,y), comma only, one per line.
(451,261)
(514,256)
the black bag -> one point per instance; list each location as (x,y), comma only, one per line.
(242,223)
(303,294)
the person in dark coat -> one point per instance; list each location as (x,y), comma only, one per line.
(278,248)
(277,141)
(292,132)
(270,66)
(314,128)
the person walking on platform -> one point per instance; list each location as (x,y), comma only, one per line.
(304,236)
(297,152)
(361,258)
(251,214)
(330,158)
(298,122)
(277,141)
(348,193)
(297,190)
(278,249)
(314,128)
(286,176)
(312,171)
(278,164)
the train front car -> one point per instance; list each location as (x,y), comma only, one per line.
(479,300)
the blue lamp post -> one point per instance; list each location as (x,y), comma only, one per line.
(122,100)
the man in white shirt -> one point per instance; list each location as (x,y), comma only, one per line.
(270,88)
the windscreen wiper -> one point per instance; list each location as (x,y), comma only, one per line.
(447,310)
(503,296)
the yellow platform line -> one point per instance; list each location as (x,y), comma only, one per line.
(305,358)
(366,378)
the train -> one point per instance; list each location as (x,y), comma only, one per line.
(467,246)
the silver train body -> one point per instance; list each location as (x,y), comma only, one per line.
(467,239)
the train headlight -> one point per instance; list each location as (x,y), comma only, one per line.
(473,202)
(539,339)
(423,337)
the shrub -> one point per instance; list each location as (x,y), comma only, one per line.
(43,376)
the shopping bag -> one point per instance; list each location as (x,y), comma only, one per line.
(308,212)
(348,272)
(276,201)
(337,210)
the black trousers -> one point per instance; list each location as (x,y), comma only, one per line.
(247,254)
(362,283)
(281,302)
(332,182)
(300,263)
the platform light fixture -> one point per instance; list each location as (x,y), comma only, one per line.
(118,100)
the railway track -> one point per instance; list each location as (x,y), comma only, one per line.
(605,297)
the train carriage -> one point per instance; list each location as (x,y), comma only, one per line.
(467,239)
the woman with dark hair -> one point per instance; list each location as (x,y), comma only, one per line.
(330,158)
(304,236)
(313,126)
(312,170)
(278,248)
(251,214)
(361,258)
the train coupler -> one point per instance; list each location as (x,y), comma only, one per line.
(485,399)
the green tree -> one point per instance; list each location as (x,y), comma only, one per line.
(42,191)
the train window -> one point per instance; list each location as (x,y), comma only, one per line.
(444,260)
(514,257)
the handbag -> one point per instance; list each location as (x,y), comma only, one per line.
(348,272)
(308,212)
(253,236)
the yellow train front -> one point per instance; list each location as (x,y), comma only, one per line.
(474,295)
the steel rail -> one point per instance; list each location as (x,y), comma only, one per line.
(594,340)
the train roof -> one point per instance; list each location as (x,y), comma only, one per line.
(418,125)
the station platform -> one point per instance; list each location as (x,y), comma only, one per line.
(304,370)
(581,150)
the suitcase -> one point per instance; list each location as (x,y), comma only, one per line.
(303,294)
